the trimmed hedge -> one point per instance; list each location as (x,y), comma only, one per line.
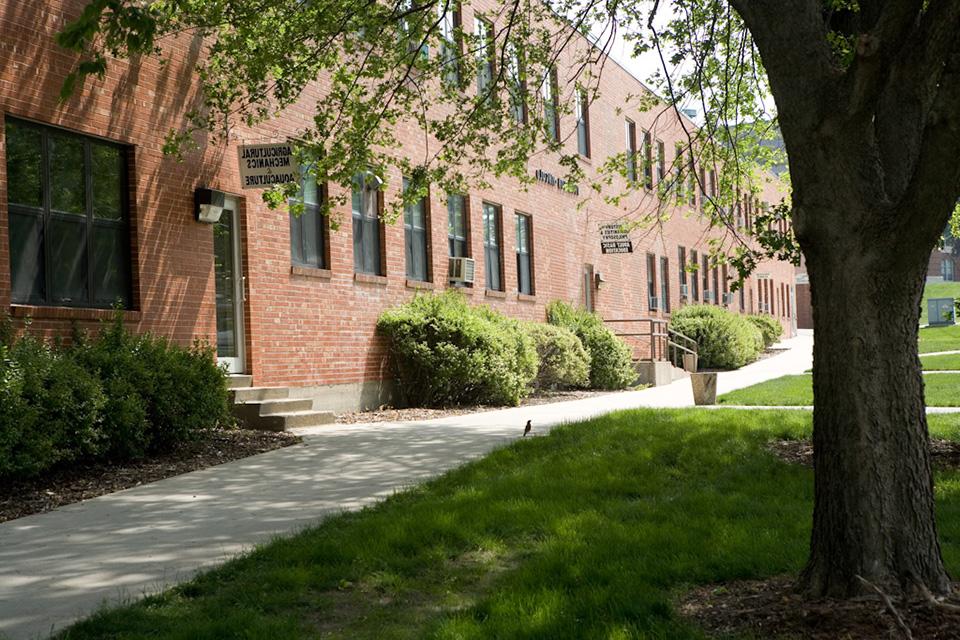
(611,365)
(564,363)
(114,397)
(445,352)
(725,340)
(770,328)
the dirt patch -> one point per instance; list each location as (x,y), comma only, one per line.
(391,414)
(66,486)
(945,454)
(772,609)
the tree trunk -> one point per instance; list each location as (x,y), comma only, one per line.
(874,505)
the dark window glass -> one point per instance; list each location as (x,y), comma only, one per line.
(661,162)
(449,15)
(68,246)
(631,151)
(24,165)
(651,279)
(308,230)
(682,266)
(491,246)
(583,124)
(665,283)
(524,270)
(67,192)
(694,279)
(484,33)
(415,237)
(457,225)
(705,271)
(516,86)
(366,225)
(647,160)
(551,112)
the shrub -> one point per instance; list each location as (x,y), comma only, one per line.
(564,363)
(724,340)
(611,365)
(445,352)
(770,328)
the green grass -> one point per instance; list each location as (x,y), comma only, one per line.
(941,363)
(586,533)
(940,339)
(940,390)
(937,290)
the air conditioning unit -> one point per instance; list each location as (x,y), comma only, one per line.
(765,307)
(709,296)
(728,298)
(462,270)
(654,303)
(684,289)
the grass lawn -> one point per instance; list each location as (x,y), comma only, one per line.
(937,290)
(585,533)
(940,339)
(941,363)
(941,390)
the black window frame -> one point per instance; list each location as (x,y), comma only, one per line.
(458,242)
(652,279)
(665,284)
(647,160)
(416,240)
(451,48)
(705,268)
(492,246)
(695,276)
(45,216)
(367,231)
(312,221)
(524,251)
(631,144)
(551,104)
(486,56)
(682,270)
(583,123)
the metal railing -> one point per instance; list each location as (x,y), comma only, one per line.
(653,339)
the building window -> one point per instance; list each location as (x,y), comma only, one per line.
(682,271)
(68,218)
(551,112)
(691,179)
(713,183)
(647,160)
(485,56)
(524,264)
(516,86)
(694,279)
(457,225)
(708,296)
(413,30)
(665,284)
(947,269)
(415,241)
(366,225)
(652,281)
(678,171)
(583,124)
(449,14)
(491,245)
(661,162)
(743,299)
(631,131)
(308,231)
(703,187)
(716,285)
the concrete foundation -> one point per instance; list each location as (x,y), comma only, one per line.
(357,396)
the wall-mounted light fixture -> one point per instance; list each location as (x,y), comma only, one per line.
(209,204)
(598,279)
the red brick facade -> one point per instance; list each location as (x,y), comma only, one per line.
(310,326)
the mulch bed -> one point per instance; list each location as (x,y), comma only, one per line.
(945,454)
(390,414)
(773,609)
(75,484)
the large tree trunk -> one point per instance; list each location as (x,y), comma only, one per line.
(874,508)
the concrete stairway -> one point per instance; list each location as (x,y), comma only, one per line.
(272,408)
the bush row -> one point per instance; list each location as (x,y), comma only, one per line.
(770,328)
(445,352)
(115,396)
(725,340)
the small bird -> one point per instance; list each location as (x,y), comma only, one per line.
(527,429)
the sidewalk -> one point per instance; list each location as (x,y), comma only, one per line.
(59,566)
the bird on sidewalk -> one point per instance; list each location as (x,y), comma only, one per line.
(527,429)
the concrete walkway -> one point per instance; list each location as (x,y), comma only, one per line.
(59,566)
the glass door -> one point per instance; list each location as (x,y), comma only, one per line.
(229,284)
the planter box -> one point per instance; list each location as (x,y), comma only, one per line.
(704,388)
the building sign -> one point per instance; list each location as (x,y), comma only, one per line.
(554,181)
(613,239)
(264,165)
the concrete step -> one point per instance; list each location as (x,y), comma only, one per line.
(306,419)
(283,405)
(251,418)
(254,394)
(237,381)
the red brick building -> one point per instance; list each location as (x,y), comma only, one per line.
(91,210)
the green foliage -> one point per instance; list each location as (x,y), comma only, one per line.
(770,328)
(564,363)
(940,390)
(611,365)
(725,340)
(445,352)
(115,397)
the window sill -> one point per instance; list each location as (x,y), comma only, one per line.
(311,272)
(69,313)
(419,284)
(491,293)
(370,278)
(524,297)
(464,289)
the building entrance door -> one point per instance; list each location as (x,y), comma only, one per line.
(229,284)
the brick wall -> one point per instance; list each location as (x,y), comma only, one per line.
(308,326)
